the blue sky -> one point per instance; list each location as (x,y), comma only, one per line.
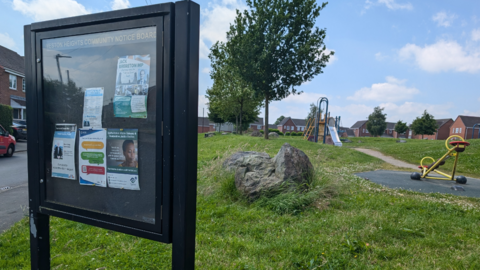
(405,56)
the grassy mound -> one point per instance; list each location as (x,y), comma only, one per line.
(340,222)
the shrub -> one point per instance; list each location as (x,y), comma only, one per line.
(6,117)
(261,131)
(287,133)
(299,133)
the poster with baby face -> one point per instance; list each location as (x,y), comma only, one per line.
(122,159)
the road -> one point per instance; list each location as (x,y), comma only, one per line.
(13,174)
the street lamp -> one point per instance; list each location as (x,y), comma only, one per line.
(58,56)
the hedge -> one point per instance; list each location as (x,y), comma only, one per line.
(6,117)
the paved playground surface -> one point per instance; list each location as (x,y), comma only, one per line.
(395,179)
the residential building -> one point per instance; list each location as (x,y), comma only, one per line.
(204,125)
(463,126)
(12,82)
(289,124)
(257,125)
(442,133)
(360,129)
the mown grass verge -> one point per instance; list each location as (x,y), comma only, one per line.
(414,150)
(341,222)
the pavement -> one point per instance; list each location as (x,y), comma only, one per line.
(387,159)
(401,180)
(21,146)
(13,187)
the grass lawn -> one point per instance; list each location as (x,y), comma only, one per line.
(414,150)
(341,222)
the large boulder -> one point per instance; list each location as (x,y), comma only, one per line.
(273,134)
(256,133)
(256,172)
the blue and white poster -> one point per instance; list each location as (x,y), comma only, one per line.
(63,151)
(92,108)
(91,158)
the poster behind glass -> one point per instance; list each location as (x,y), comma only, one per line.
(104,83)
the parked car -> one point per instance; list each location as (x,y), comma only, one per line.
(7,143)
(19,129)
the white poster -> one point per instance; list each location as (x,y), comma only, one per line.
(63,151)
(131,87)
(122,158)
(92,108)
(91,158)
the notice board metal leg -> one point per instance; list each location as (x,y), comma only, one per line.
(39,241)
(187,34)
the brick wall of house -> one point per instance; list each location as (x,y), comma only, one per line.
(469,133)
(444,131)
(403,135)
(5,90)
(290,124)
(458,128)
(363,132)
(201,129)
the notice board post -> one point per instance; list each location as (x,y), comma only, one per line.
(115,144)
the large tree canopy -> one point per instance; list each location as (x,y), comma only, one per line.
(377,124)
(425,125)
(275,47)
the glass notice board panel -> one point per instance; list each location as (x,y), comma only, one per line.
(100,114)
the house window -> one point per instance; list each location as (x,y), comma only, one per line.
(460,130)
(456,130)
(17,114)
(13,82)
(285,127)
(288,127)
(23,85)
(259,127)
(24,114)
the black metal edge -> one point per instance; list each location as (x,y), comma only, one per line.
(187,33)
(39,223)
(103,224)
(157,229)
(167,121)
(111,16)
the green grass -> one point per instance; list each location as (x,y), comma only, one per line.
(341,222)
(414,150)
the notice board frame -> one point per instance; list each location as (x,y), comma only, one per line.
(177,77)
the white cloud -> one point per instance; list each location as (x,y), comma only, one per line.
(443,56)
(390,91)
(444,19)
(470,113)
(408,111)
(202,104)
(42,10)
(380,56)
(304,98)
(390,4)
(206,70)
(7,41)
(120,4)
(333,58)
(217,19)
(476,34)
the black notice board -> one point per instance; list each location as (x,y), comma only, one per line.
(128,57)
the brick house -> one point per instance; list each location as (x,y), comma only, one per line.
(463,126)
(289,124)
(204,125)
(257,125)
(12,82)
(442,133)
(360,129)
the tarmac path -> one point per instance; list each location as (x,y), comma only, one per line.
(387,159)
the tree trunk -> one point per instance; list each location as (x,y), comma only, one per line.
(236,124)
(265,127)
(241,115)
(422,136)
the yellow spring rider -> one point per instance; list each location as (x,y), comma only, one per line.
(457,148)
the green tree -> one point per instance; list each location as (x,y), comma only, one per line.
(214,116)
(279,119)
(377,124)
(276,47)
(401,127)
(425,125)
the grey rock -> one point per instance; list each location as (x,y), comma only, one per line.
(239,159)
(273,134)
(256,172)
(256,133)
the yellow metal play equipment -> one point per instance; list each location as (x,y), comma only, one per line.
(308,133)
(458,147)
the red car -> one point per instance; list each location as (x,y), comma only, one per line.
(7,143)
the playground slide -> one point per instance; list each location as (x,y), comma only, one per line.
(334,135)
